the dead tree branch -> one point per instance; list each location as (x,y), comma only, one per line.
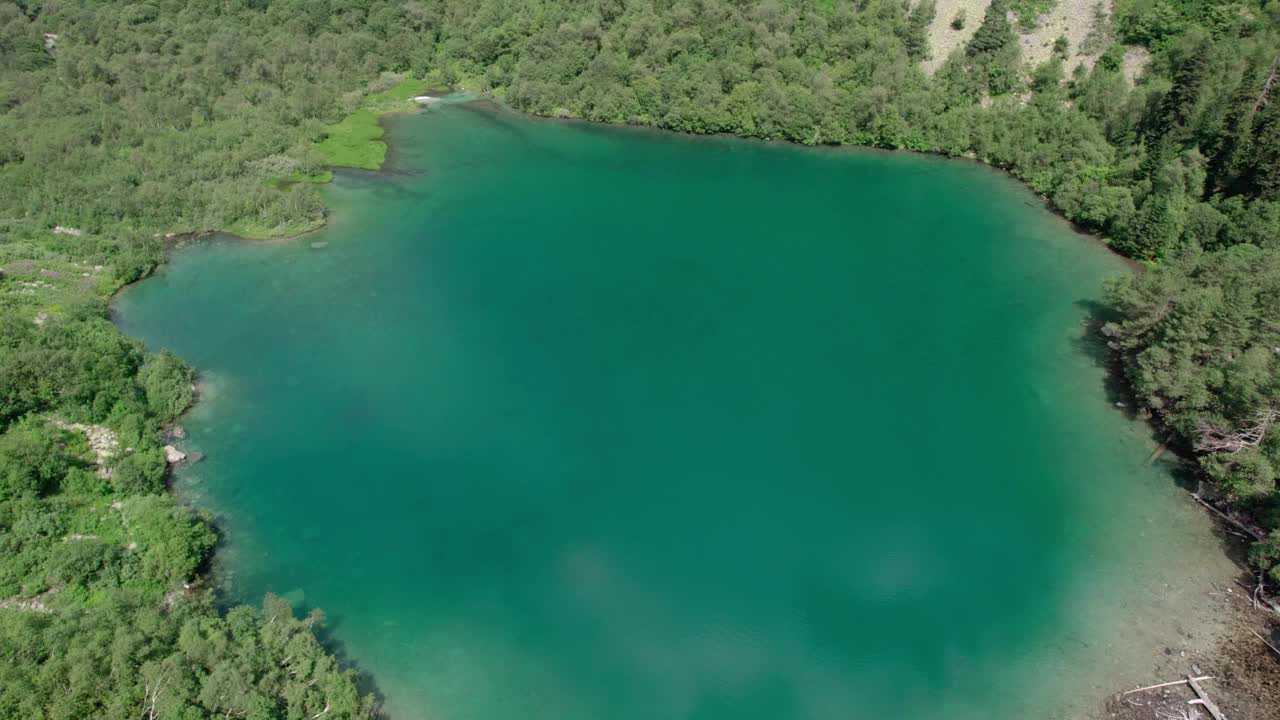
(1214,439)
(1267,85)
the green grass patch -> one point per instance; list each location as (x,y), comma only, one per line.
(353,142)
(356,140)
(403,92)
(254,230)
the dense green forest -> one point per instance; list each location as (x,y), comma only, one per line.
(122,122)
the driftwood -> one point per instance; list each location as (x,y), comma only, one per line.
(1257,600)
(1203,700)
(1167,684)
(1254,532)
(1265,641)
(1164,445)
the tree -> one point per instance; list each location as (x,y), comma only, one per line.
(995,33)
(915,37)
(167,383)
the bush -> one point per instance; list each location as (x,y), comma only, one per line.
(139,473)
(172,541)
(32,460)
(166,380)
(1265,555)
(81,562)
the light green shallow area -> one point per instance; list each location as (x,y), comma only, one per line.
(570,422)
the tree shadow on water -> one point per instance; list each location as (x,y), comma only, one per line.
(1095,344)
(1170,453)
(364,680)
(220,580)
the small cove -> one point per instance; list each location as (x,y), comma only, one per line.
(569,421)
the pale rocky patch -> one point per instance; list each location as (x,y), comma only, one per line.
(102,441)
(1135,63)
(29,605)
(1073,19)
(944,39)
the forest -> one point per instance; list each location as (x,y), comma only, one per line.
(123,124)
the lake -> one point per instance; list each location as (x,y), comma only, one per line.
(569,422)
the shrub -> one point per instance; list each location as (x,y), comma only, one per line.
(139,473)
(166,380)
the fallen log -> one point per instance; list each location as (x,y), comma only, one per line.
(1265,641)
(1203,700)
(1151,460)
(1253,532)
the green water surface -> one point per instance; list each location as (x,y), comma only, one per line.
(580,423)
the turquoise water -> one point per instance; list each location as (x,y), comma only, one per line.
(577,422)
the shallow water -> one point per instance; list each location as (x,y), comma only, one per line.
(572,422)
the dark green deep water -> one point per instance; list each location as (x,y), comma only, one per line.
(580,423)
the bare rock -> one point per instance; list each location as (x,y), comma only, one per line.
(30,605)
(173,454)
(102,440)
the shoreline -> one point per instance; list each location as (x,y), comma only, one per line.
(1041,200)
(1225,653)
(1243,671)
